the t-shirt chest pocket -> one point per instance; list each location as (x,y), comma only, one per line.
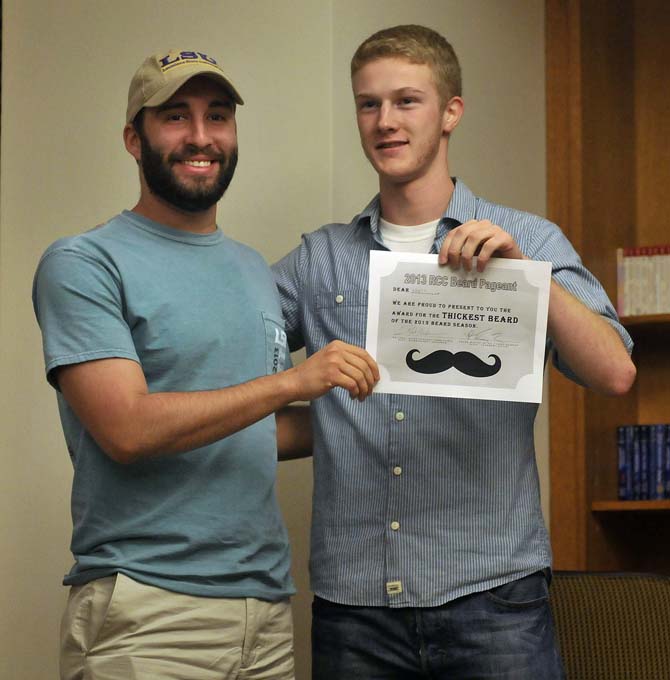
(343,314)
(276,346)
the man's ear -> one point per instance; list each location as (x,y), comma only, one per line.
(132,141)
(452,114)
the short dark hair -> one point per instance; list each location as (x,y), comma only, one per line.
(138,122)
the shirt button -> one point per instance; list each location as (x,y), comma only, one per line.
(399,416)
(397,470)
(395,526)
(339,299)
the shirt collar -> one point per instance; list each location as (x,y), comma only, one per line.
(462,207)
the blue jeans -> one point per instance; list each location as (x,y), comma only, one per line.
(506,633)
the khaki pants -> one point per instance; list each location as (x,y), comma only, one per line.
(117,629)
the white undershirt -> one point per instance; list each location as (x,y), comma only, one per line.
(414,239)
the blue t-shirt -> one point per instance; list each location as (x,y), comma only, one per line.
(197,312)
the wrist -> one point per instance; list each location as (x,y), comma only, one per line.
(286,386)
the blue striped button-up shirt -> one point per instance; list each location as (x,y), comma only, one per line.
(418,500)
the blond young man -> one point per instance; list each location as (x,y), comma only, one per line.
(430,558)
(165,343)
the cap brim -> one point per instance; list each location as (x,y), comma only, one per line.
(168,90)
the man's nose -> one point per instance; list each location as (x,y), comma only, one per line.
(198,133)
(387,118)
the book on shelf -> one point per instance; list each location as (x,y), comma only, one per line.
(643,280)
(643,455)
(657,457)
(643,436)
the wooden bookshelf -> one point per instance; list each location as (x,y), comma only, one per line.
(608,144)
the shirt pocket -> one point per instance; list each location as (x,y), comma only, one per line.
(276,345)
(343,314)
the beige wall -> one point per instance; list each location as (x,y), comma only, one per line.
(66,68)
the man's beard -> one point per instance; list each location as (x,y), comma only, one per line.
(197,197)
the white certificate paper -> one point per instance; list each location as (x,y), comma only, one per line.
(435,331)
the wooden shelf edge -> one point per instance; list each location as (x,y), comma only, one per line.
(645,320)
(628,506)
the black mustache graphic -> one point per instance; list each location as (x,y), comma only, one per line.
(443,359)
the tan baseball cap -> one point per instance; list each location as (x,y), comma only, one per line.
(162,74)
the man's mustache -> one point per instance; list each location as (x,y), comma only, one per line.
(189,150)
(443,359)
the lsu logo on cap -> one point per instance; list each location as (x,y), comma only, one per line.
(181,58)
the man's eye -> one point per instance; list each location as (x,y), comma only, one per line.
(407,101)
(369,104)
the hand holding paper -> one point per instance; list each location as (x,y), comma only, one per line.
(476,241)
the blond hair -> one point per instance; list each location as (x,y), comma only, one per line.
(419,45)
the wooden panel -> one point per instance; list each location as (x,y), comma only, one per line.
(564,116)
(652,124)
(566,461)
(650,354)
(653,382)
(569,502)
(652,129)
(608,154)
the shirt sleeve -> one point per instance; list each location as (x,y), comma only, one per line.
(288,273)
(551,244)
(78,303)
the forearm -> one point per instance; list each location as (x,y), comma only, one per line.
(588,344)
(143,425)
(174,422)
(294,432)
(112,400)
(585,341)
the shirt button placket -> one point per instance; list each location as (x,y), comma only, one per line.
(394,587)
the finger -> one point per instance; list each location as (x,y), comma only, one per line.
(348,368)
(474,245)
(323,371)
(443,255)
(486,253)
(453,248)
(363,359)
(499,244)
(365,362)
(352,369)
(362,373)
(456,239)
(340,374)
(351,378)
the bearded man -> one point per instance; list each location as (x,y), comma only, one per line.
(165,342)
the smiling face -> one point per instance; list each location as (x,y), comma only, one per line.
(187,147)
(403,125)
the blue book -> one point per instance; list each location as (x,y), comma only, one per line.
(667,461)
(637,470)
(644,461)
(630,438)
(657,463)
(625,479)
